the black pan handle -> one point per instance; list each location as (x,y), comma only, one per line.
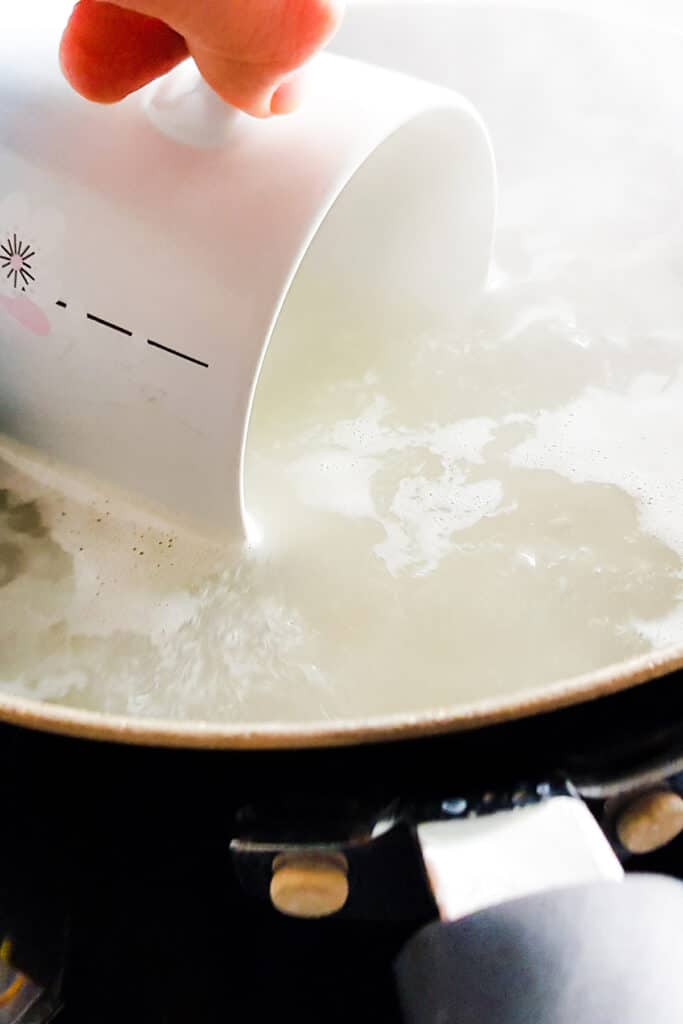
(603,953)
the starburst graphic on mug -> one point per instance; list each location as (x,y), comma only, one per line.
(14,258)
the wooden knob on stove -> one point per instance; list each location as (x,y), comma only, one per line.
(650,821)
(310,884)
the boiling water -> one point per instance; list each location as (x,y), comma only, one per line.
(452,518)
(448,515)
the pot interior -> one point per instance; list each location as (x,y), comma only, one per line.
(459,522)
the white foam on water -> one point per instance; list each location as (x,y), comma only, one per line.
(425,512)
(632,439)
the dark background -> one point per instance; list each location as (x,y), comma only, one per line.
(117,864)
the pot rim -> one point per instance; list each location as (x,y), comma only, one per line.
(344,732)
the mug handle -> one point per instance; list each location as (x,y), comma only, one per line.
(185,108)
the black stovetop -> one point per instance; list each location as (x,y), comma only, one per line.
(165,943)
(131,848)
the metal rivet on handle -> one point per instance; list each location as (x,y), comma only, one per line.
(455,807)
(650,821)
(309,884)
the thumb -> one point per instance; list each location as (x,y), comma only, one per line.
(108,52)
(246,49)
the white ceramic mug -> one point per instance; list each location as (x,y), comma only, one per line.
(147,250)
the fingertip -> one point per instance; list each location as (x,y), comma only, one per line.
(334,12)
(288,96)
(107,52)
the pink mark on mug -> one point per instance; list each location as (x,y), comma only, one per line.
(27,314)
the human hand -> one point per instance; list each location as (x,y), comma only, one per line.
(249,51)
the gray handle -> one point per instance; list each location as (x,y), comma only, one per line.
(605,953)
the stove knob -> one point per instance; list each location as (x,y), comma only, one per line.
(650,821)
(309,884)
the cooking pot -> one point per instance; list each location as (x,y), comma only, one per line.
(620,99)
(343,808)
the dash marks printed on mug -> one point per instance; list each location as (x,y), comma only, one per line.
(108,323)
(120,329)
